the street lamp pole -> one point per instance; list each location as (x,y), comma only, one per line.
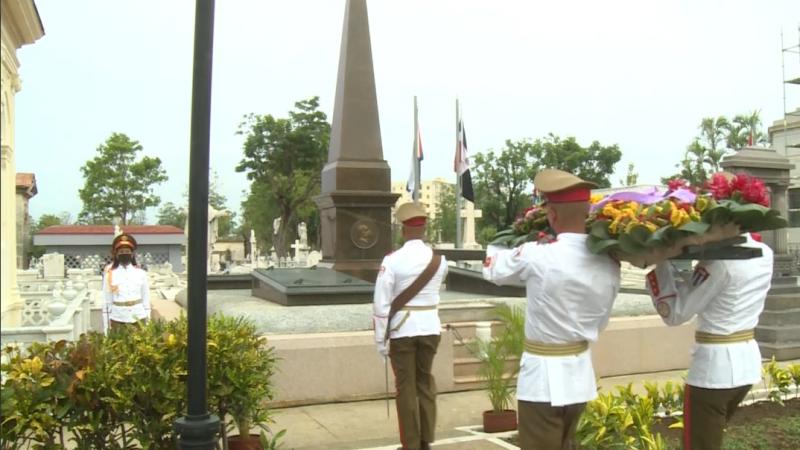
(198,429)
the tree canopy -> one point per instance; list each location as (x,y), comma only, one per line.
(283,158)
(116,184)
(718,137)
(503,179)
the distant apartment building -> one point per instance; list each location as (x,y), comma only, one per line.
(430,193)
(784,135)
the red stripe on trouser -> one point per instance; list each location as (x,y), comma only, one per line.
(687,419)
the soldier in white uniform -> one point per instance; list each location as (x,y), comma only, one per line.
(727,296)
(126,293)
(570,294)
(414,331)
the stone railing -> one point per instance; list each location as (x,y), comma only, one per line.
(51,310)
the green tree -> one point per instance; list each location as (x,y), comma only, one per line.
(743,127)
(171,214)
(593,163)
(503,181)
(443,226)
(283,158)
(116,184)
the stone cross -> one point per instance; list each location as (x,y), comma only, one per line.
(299,252)
(469,214)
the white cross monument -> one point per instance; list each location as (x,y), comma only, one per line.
(469,214)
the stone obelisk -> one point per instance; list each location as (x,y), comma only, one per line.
(356,199)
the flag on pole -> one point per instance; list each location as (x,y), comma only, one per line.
(461,164)
(415,177)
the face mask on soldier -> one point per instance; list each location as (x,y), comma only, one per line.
(124,259)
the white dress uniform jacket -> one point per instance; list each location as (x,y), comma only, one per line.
(398,271)
(570,294)
(124,284)
(727,296)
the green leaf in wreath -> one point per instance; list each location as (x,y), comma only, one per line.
(628,243)
(640,234)
(598,246)
(599,230)
(695,227)
(717,215)
(663,237)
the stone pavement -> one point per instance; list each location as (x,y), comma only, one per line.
(365,426)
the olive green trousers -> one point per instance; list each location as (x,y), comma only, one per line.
(546,427)
(412,361)
(706,412)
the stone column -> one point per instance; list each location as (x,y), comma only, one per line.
(21,25)
(774,169)
(11,304)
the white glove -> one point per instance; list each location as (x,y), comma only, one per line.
(383,348)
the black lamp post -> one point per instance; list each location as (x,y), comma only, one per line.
(198,430)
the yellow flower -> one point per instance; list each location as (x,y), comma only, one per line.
(610,211)
(595,198)
(651,226)
(678,217)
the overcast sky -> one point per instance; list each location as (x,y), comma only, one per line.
(640,74)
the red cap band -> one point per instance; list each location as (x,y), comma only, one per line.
(570,195)
(415,222)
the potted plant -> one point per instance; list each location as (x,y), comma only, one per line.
(494,356)
(240,370)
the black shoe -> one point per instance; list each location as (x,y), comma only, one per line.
(425,446)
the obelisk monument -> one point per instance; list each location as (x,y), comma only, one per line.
(356,200)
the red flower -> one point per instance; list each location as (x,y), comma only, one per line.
(756,192)
(677,183)
(719,187)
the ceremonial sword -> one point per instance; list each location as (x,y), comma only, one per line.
(386,373)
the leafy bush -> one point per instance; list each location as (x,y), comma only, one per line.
(240,369)
(34,401)
(127,388)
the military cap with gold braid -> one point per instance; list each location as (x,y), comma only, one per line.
(411,214)
(123,240)
(557,186)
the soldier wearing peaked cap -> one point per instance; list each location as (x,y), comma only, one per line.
(126,293)
(727,296)
(407,326)
(570,292)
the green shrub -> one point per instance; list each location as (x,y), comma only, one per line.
(34,401)
(240,370)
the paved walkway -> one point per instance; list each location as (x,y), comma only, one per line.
(365,425)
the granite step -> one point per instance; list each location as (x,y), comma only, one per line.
(467,312)
(782,352)
(782,302)
(779,318)
(472,382)
(778,333)
(468,366)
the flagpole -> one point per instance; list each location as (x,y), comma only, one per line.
(417,166)
(458,243)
